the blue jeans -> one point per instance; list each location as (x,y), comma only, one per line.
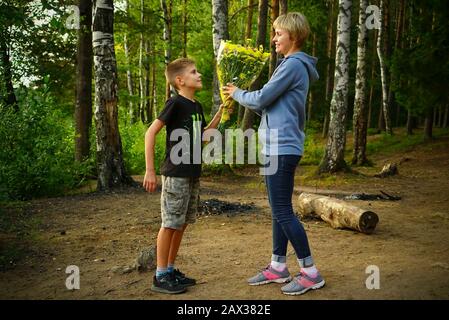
(286,225)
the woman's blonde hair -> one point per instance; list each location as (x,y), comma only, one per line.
(296,24)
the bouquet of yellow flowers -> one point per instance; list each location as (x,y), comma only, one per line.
(240,65)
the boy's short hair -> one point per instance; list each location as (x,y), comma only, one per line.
(176,68)
(296,24)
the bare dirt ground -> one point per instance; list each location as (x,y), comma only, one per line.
(410,244)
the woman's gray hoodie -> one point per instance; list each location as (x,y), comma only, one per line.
(281,104)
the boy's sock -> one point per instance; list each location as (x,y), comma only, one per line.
(170,268)
(278,262)
(160,272)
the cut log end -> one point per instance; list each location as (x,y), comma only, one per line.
(368,222)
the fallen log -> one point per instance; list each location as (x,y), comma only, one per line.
(338,213)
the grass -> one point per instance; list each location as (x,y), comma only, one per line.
(378,145)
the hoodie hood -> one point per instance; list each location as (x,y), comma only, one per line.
(309,62)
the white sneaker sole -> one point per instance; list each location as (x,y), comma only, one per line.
(314,287)
(280,280)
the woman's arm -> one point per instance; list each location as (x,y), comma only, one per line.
(260,99)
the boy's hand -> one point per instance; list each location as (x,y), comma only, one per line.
(150,181)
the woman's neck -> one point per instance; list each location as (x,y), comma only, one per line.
(292,51)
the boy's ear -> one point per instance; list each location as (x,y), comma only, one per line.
(179,81)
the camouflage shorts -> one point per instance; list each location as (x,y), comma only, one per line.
(179,201)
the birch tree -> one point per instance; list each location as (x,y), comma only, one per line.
(168,22)
(383,67)
(359,118)
(333,159)
(129,80)
(330,51)
(111,169)
(219,32)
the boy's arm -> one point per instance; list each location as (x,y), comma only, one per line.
(215,120)
(150,180)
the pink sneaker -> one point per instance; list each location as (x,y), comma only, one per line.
(269,275)
(303,283)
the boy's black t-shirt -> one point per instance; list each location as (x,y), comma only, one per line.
(180,113)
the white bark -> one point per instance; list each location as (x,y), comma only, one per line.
(111,170)
(219,32)
(333,159)
(383,68)
(132,111)
(359,118)
(166,9)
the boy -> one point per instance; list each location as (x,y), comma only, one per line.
(184,121)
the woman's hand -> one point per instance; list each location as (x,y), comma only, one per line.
(229,89)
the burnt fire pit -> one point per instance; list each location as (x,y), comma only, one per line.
(216,207)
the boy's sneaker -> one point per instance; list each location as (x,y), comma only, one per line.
(167,284)
(269,275)
(303,283)
(182,279)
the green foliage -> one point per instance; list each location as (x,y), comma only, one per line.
(313,145)
(37,149)
(133,144)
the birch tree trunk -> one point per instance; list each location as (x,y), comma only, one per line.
(166,9)
(111,169)
(329,55)
(132,109)
(248,117)
(333,159)
(219,32)
(359,118)
(142,82)
(83,105)
(373,72)
(383,67)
